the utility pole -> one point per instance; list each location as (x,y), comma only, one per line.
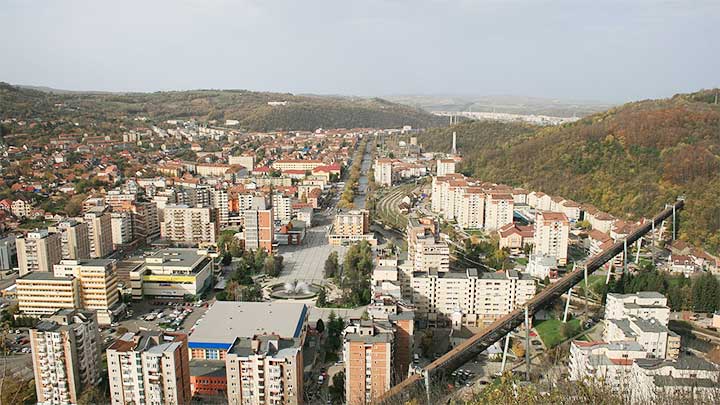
(527,344)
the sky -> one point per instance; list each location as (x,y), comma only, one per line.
(605,50)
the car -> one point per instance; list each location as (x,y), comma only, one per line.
(114,324)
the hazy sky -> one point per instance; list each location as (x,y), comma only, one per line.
(573,49)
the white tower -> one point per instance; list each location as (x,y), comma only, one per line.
(454,146)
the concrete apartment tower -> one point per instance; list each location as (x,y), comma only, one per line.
(99,225)
(66,356)
(149,367)
(38,251)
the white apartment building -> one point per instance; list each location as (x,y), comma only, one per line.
(74,239)
(476,298)
(8,253)
(99,231)
(219,201)
(265,369)
(246,161)
(38,251)
(149,367)
(282,207)
(643,305)
(471,208)
(686,379)
(66,356)
(610,362)
(430,254)
(121,226)
(97,284)
(498,211)
(351,226)
(383,172)
(183,224)
(445,167)
(552,233)
(657,340)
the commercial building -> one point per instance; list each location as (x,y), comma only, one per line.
(98,285)
(66,356)
(186,225)
(149,367)
(351,226)
(470,298)
(38,251)
(8,253)
(74,238)
(42,293)
(172,273)
(258,345)
(99,231)
(552,232)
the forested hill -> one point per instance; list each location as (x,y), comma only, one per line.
(629,161)
(250,108)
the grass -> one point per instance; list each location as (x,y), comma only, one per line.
(550,331)
(522,260)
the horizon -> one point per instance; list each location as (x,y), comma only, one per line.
(612,52)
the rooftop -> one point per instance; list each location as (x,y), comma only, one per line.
(227,320)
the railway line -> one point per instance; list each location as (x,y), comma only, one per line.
(479,342)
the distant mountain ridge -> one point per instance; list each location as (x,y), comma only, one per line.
(250,108)
(629,160)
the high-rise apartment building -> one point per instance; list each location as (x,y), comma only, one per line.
(445,167)
(184,224)
(431,254)
(351,226)
(99,231)
(419,228)
(259,226)
(8,253)
(121,227)
(98,285)
(282,207)
(552,232)
(498,211)
(74,239)
(368,351)
(471,208)
(145,221)
(149,367)
(38,251)
(219,201)
(66,356)
(265,370)
(383,172)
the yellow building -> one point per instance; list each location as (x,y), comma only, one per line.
(44,293)
(98,285)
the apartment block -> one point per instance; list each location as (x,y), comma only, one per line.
(74,238)
(431,255)
(383,172)
(351,226)
(145,221)
(265,369)
(643,305)
(219,201)
(551,236)
(445,167)
(186,225)
(474,298)
(656,339)
(245,161)
(8,253)
(98,285)
(498,211)
(38,251)
(259,229)
(66,356)
(282,207)
(121,228)
(296,164)
(471,208)
(419,228)
(149,367)
(99,225)
(42,292)
(368,351)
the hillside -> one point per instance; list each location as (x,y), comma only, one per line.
(248,107)
(629,160)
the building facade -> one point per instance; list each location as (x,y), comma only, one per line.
(38,251)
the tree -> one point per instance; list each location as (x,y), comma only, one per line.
(321,301)
(426,343)
(93,395)
(518,348)
(331,265)
(320,326)
(337,389)
(569,329)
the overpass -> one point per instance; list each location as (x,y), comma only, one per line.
(469,349)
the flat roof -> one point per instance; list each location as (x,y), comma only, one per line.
(43,275)
(227,320)
(174,257)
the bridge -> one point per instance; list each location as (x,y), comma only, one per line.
(469,349)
